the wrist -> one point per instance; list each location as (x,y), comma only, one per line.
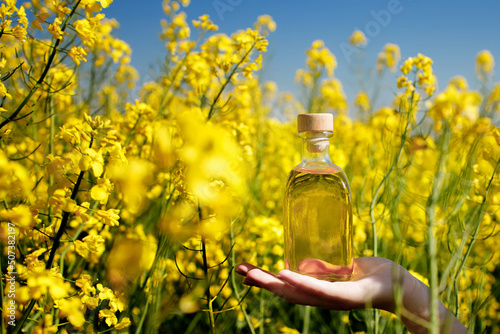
(415,312)
(405,292)
(400,289)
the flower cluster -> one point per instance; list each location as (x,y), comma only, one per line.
(325,91)
(424,78)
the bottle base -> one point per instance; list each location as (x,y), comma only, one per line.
(323,270)
(332,277)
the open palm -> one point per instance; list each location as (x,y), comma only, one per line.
(371,285)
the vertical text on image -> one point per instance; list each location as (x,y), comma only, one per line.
(10,285)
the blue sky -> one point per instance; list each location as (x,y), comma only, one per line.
(449,32)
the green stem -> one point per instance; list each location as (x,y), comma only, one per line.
(395,163)
(476,229)
(207,282)
(143,317)
(314,91)
(386,177)
(166,100)
(235,288)
(212,107)
(65,251)
(261,311)
(25,315)
(193,323)
(307,319)
(431,239)
(52,119)
(64,222)
(457,254)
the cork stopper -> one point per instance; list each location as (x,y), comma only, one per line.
(315,122)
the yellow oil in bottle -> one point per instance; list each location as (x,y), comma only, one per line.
(318,223)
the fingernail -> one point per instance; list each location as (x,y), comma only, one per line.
(280,276)
(240,271)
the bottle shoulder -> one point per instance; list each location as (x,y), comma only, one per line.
(307,176)
(320,167)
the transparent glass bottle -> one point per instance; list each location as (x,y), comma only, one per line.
(317,207)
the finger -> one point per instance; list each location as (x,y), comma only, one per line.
(244,268)
(271,282)
(260,277)
(312,285)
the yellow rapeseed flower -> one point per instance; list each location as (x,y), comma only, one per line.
(358,38)
(3,91)
(92,159)
(422,67)
(407,65)
(73,310)
(42,282)
(389,57)
(20,33)
(205,23)
(124,323)
(55,29)
(459,82)
(319,57)
(105,3)
(85,284)
(115,303)
(20,216)
(110,217)
(109,316)
(85,31)
(494,98)
(303,77)
(90,302)
(452,104)
(90,244)
(8,8)
(101,191)
(362,101)
(77,54)
(484,63)
(15,181)
(22,19)
(189,304)
(265,24)
(60,200)
(39,18)
(288,330)
(131,257)
(164,145)
(421,278)
(333,96)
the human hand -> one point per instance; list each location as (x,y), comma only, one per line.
(371,285)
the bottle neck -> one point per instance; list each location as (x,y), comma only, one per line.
(315,147)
